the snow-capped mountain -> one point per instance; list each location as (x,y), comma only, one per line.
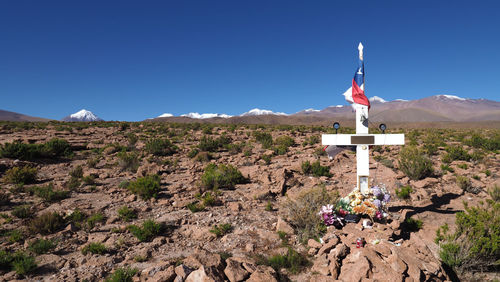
(437,108)
(204,116)
(259,112)
(451,97)
(82,115)
(311,110)
(166,115)
(377,99)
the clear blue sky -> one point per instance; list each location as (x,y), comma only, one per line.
(132,60)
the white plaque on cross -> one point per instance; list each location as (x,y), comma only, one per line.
(362,140)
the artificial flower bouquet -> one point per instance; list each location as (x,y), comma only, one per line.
(372,204)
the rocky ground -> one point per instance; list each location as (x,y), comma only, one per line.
(186,250)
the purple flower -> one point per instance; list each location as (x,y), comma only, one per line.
(377,203)
(387,198)
(378,215)
(376,191)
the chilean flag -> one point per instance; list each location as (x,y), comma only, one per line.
(356,93)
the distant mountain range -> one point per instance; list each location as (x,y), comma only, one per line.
(439,108)
(434,109)
(11,116)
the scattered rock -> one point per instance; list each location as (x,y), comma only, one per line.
(234,271)
(284,227)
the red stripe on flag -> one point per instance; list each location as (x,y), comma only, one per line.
(358,95)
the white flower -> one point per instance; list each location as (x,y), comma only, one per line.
(327,209)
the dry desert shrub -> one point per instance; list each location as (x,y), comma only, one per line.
(20,175)
(414,163)
(302,212)
(475,243)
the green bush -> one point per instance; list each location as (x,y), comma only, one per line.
(456,153)
(77,172)
(475,243)
(464,183)
(47,223)
(73,183)
(77,217)
(221,176)
(23,212)
(94,248)
(266,159)
(127,214)
(147,232)
(195,207)
(23,263)
(280,149)
(94,219)
(412,225)
(15,236)
(56,148)
(489,144)
(302,213)
(128,161)
(445,167)
(264,138)
(404,192)
(284,140)
(161,147)
(146,187)
(495,193)
(51,149)
(414,163)
(19,150)
(193,153)
(42,246)
(315,169)
(20,175)
(208,144)
(292,261)
(209,199)
(19,261)
(312,140)
(221,229)
(89,180)
(48,194)
(431,144)
(122,275)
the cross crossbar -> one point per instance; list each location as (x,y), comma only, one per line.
(362,139)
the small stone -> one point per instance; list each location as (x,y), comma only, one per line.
(284,227)
(325,249)
(234,206)
(249,247)
(314,244)
(182,271)
(130,198)
(321,265)
(234,271)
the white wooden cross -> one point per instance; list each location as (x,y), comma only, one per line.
(362,139)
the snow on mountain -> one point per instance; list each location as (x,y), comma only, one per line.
(82,115)
(377,99)
(166,115)
(311,110)
(204,116)
(401,100)
(259,112)
(451,97)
